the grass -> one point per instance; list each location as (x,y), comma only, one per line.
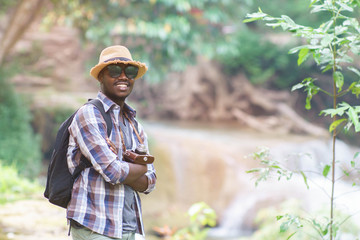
(14,187)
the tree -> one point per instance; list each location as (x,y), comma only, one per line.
(167,35)
(24,14)
(333,46)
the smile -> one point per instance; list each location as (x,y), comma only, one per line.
(125,84)
(121,86)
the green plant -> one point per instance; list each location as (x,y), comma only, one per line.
(167,35)
(19,146)
(262,61)
(15,187)
(332,46)
(201,217)
(298,219)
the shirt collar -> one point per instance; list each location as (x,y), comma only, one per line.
(108,104)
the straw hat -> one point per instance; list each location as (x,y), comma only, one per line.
(116,54)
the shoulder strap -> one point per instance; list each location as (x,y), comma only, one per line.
(84,162)
(135,129)
(98,104)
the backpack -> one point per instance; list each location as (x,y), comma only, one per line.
(59,182)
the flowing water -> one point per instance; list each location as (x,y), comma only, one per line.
(204,162)
(208,162)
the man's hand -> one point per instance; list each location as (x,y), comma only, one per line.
(136,177)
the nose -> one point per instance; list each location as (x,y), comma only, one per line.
(122,75)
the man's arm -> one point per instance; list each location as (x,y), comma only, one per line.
(136,172)
(90,137)
(145,183)
(140,184)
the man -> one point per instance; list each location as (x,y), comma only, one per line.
(105,203)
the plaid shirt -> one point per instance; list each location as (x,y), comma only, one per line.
(98,195)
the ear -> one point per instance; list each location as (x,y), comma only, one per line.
(101,77)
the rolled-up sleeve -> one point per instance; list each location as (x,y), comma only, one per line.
(151,173)
(89,132)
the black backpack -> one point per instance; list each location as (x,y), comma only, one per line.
(59,182)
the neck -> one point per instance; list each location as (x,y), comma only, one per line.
(120,103)
(117,100)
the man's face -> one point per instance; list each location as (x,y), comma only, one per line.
(117,88)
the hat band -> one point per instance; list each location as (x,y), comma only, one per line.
(118,58)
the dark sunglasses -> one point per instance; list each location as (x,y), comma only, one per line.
(130,71)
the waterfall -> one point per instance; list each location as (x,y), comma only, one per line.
(209,163)
(310,157)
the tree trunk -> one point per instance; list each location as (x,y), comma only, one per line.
(20,21)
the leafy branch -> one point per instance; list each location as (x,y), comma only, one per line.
(332,46)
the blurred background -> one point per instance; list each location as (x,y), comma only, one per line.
(217,90)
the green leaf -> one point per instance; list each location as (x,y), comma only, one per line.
(335,124)
(303,55)
(251,17)
(326,40)
(354,70)
(308,103)
(273,25)
(312,3)
(352,85)
(284,227)
(253,170)
(274,166)
(338,111)
(356,154)
(339,79)
(296,49)
(355,89)
(289,23)
(305,179)
(327,68)
(354,118)
(326,170)
(291,235)
(344,6)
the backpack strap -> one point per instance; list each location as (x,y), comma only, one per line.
(84,162)
(98,104)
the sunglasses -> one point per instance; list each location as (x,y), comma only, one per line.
(115,71)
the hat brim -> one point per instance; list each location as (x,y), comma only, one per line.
(97,68)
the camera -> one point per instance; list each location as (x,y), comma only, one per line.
(139,156)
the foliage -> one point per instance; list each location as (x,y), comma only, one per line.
(297,222)
(6,4)
(19,146)
(201,217)
(15,187)
(262,61)
(332,45)
(295,9)
(290,224)
(270,168)
(167,35)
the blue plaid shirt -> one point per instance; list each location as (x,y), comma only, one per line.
(98,193)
